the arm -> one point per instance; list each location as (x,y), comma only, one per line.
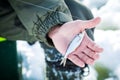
(87,52)
(39,16)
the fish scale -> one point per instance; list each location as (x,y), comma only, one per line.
(72,46)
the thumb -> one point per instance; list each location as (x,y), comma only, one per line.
(91,23)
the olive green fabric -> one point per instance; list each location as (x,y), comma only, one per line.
(11,27)
(36,16)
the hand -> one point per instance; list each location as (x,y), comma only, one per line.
(87,52)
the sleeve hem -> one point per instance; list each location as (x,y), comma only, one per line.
(42,27)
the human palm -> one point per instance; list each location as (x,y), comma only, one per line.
(87,52)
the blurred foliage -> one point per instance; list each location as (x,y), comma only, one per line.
(108,28)
(103,72)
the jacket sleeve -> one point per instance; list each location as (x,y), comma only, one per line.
(38,16)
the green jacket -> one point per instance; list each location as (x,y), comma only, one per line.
(31,20)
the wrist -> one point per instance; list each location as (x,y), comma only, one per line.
(53,31)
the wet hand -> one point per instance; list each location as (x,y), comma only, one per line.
(87,52)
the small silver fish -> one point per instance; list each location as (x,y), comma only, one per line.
(72,46)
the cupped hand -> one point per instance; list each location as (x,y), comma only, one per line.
(87,52)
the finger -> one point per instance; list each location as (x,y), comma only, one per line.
(76,60)
(93,46)
(85,58)
(91,23)
(89,52)
(92,55)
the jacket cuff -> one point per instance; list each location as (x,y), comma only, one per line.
(42,27)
